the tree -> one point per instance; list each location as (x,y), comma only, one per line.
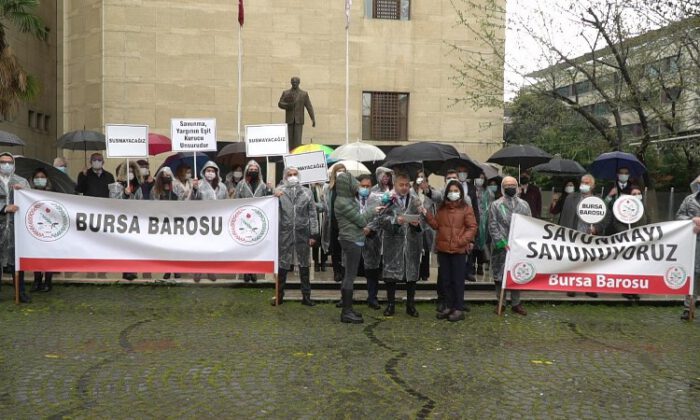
(628,69)
(15,84)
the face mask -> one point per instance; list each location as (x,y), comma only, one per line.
(209,175)
(638,197)
(253,175)
(493,188)
(569,189)
(453,196)
(419,181)
(97,165)
(237,175)
(131,176)
(623,177)
(62,169)
(294,180)
(524,180)
(144,171)
(7,168)
(167,180)
(40,182)
(479,182)
(363,192)
(462,176)
(510,191)
(585,188)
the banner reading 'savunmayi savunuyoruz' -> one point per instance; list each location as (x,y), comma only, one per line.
(651,259)
(60,232)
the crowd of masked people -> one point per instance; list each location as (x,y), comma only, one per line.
(384,228)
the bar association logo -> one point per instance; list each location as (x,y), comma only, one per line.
(47,221)
(248,225)
(523,272)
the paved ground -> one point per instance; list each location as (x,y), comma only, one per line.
(196,352)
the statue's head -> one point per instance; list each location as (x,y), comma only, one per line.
(295,82)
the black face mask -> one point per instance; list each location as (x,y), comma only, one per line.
(510,191)
(253,176)
(524,180)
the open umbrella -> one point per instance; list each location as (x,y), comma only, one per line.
(82,140)
(60,181)
(361,152)
(521,156)
(10,139)
(489,171)
(312,147)
(158,143)
(433,155)
(473,168)
(560,167)
(409,168)
(233,154)
(185,158)
(354,167)
(606,165)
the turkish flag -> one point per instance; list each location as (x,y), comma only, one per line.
(240,12)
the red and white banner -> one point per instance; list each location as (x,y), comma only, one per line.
(60,232)
(651,259)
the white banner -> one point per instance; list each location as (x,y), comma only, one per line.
(266,140)
(60,232)
(311,166)
(193,134)
(126,141)
(650,259)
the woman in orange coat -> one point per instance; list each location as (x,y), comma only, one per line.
(456,227)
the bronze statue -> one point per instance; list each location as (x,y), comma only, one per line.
(293,101)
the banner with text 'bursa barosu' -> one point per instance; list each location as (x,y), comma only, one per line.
(651,259)
(60,232)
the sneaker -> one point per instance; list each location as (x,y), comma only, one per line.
(519,309)
(456,316)
(444,314)
(211,277)
(685,316)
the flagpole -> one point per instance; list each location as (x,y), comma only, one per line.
(347,72)
(240,79)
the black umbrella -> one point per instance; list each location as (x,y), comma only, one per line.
(60,182)
(82,140)
(235,154)
(433,155)
(521,156)
(409,168)
(10,139)
(560,167)
(489,171)
(473,168)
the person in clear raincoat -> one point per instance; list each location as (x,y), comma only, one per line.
(209,187)
(424,191)
(372,249)
(402,243)
(298,232)
(9,182)
(329,232)
(127,187)
(250,186)
(690,210)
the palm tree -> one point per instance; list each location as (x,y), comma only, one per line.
(15,84)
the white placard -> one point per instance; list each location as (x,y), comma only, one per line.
(311,166)
(266,140)
(193,134)
(126,141)
(627,209)
(592,209)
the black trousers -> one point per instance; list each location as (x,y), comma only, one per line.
(452,276)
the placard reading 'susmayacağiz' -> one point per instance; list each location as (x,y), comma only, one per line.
(61,232)
(650,259)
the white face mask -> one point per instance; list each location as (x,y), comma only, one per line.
(209,175)
(479,182)
(638,197)
(131,176)
(237,175)
(569,189)
(62,169)
(293,179)
(453,196)
(623,177)
(144,171)
(97,164)
(585,188)
(419,181)
(7,168)
(40,182)
(462,176)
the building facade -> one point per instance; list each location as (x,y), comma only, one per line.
(147,61)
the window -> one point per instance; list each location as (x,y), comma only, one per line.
(31,119)
(390,9)
(384,116)
(47,123)
(564,90)
(39,121)
(582,87)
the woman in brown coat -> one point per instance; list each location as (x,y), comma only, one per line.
(455,225)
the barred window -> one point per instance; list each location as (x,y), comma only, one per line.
(385,116)
(391,9)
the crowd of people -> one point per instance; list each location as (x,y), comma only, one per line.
(384,228)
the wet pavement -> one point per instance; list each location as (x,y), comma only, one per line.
(158,351)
